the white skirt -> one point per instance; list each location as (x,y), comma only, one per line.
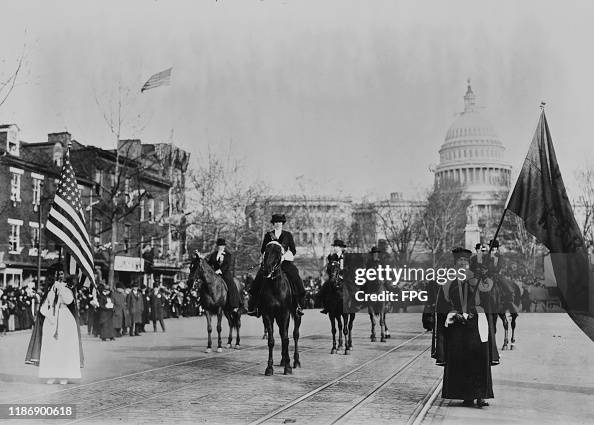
(60,358)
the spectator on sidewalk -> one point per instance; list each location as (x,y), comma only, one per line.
(106,308)
(135,305)
(156,302)
(121,316)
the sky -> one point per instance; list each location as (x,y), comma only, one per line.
(330,96)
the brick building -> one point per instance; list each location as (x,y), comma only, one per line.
(134,216)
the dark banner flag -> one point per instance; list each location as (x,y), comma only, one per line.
(540,200)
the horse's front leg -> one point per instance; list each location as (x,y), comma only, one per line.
(345,330)
(208,330)
(237,328)
(351,321)
(387,332)
(283,326)
(268,324)
(382,323)
(503,317)
(296,326)
(333,327)
(514,316)
(230,322)
(339,321)
(219,330)
(372,318)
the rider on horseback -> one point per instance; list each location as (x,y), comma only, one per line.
(336,257)
(286,240)
(221,262)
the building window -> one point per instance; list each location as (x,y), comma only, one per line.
(12,277)
(151,209)
(34,230)
(15,184)
(37,179)
(161,209)
(126,237)
(97,232)
(141,210)
(127,185)
(152,242)
(58,154)
(14,236)
(98,182)
(162,247)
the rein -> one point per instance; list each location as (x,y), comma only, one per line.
(275,272)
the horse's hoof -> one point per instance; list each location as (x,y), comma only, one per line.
(388,336)
(333,351)
(237,347)
(264,336)
(296,364)
(288,370)
(228,345)
(219,350)
(208,350)
(373,339)
(269,371)
(347,352)
(511,347)
(383,340)
(513,340)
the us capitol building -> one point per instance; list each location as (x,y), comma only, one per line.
(472,156)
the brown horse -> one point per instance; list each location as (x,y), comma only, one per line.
(212,290)
(276,304)
(507,297)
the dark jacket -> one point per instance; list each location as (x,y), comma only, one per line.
(135,306)
(225,266)
(157,302)
(121,315)
(285,239)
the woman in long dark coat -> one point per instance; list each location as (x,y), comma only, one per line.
(106,306)
(157,301)
(121,316)
(467,372)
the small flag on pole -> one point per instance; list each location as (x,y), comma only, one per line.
(162,78)
(66,220)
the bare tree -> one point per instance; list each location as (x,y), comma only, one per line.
(218,196)
(8,80)
(585,203)
(401,224)
(443,219)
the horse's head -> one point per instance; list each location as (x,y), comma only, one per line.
(273,255)
(196,276)
(334,275)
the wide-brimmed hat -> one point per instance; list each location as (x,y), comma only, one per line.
(278,218)
(478,246)
(374,250)
(339,243)
(494,243)
(221,241)
(460,252)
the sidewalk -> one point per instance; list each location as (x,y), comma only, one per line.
(548,378)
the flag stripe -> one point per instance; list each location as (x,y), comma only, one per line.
(60,219)
(74,215)
(71,246)
(63,224)
(158,79)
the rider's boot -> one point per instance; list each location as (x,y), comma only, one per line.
(252,307)
(299,310)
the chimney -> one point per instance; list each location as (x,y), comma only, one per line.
(63,138)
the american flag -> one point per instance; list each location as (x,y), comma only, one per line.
(66,220)
(159,79)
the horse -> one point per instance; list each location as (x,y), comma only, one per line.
(507,298)
(277,304)
(212,290)
(377,310)
(234,317)
(336,311)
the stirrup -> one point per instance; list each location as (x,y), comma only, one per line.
(255,312)
(299,310)
(324,311)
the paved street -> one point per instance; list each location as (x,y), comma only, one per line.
(167,377)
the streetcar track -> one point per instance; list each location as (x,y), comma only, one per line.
(424,405)
(371,393)
(115,378)
(185,387)
(330,383)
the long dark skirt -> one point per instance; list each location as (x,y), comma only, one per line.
(467,373)
(106,323)
(438,350)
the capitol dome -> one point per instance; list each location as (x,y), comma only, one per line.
(472,156)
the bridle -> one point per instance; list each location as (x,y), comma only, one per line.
(276,269)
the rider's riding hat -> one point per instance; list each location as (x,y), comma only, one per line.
(339,243)
(221,242)
(478,246)
(494,243)
(460,252)
(374,250)
(278,218)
